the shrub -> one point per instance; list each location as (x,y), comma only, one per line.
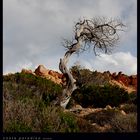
(32,115)
(132,98)
(69,121)
(129,108)
(100,96)
(21,85)
(55,120)
(102,117)
(20,112)
(117,121)
(17,126)
(88,78)
(24,98)
(85,126)
(124,123)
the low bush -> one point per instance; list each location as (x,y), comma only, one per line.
(102,117)
(132,98)
(24,98)
(100,96)
(129,108)
(117,121)
(21,85)
(17,126)
(124,123)
(86,77)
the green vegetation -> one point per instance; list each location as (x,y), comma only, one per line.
(124,123)
(100,96)
(129,108)
(117,121)
(27,107)
(85,77)
(21,85)
(18,126)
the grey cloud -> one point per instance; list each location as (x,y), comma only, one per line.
(33,29)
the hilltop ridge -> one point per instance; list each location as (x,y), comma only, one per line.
(129,83)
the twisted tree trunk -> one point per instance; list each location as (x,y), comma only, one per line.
(70,81)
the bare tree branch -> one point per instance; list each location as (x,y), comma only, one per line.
(97,33)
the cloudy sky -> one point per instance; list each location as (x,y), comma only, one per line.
(33,31)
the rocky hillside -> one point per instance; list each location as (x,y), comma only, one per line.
(98,105)
(41,71)
(129,83)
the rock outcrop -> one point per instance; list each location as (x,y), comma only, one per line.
(129,83)
(27,71)
(55,76)
(125,81)
(41,71)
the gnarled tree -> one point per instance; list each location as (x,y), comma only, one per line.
(99,34)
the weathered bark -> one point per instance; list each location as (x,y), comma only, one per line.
(70,81)
(96,32)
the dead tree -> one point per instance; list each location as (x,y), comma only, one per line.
(97,33)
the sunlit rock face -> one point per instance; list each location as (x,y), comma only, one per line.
(128,81)
(41,71)
(27,71)
(49,74)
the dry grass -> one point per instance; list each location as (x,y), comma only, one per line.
(116,121)
(23,111)
(129,108)
(124,123)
